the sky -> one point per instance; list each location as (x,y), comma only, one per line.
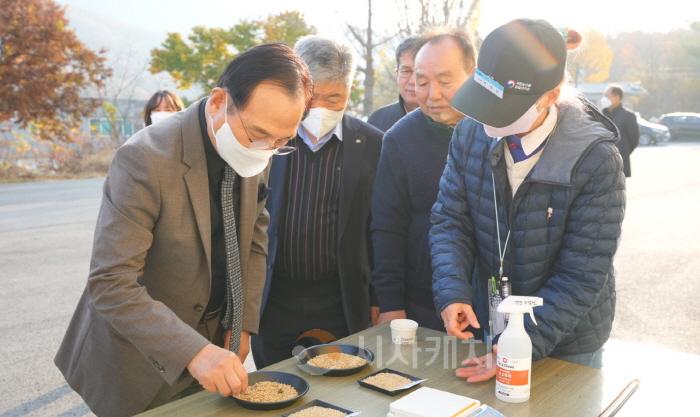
(133,27)
(608,16)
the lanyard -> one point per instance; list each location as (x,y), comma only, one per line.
(501,249)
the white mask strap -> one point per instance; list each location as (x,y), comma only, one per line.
(211,119)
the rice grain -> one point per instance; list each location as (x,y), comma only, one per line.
(387,380)
(317,411)
(268,392)
(337,360)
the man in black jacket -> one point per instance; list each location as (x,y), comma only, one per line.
(385,117)
(626,123)
(318,277)
(413,158)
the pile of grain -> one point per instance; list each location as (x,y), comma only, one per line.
(387,380)
(268,392)
(337,360)
(317,411)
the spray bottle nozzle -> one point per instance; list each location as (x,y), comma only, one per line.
(520,304)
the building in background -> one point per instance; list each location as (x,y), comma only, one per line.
(106,129)
(116,120)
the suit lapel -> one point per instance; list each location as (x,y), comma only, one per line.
(278,173)
(196,178)
(353,145)
(248,209)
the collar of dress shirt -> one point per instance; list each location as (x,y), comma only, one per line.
(337,131)
(534,139)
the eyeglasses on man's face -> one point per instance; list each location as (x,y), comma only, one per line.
(279,146)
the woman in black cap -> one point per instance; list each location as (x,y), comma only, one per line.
(533,192)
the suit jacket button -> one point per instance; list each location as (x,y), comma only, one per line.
(198,308)
(157,365)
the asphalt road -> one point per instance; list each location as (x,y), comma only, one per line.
(45,240)
(46,234)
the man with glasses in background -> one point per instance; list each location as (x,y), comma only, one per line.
(387,116)
(318,282)
(178,261)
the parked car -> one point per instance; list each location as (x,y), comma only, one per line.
(652,133)
(682,125)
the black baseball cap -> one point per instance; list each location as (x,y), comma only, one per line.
(518,62)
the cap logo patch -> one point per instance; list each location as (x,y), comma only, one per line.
(519,85)
(493,86)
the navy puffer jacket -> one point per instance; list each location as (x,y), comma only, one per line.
(565,218)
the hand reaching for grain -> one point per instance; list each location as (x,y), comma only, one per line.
(219,370)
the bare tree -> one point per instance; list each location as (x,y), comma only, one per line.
(423,15)
(118,93)
(417,18)
(366,45)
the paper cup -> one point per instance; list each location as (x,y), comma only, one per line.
(403,331)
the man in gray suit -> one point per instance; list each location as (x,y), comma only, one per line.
(178,261)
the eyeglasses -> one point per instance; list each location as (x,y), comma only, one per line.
(279,146)
(405,72)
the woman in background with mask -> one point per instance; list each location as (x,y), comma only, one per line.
(534,192)
(160,106)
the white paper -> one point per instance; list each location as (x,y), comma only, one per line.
(430,402)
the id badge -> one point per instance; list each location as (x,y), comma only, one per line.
(497,320)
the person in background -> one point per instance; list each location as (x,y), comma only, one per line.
(626,122)
(318,278)
(385,117)
(406,185)
(533,191)
(178,260)
(160,106)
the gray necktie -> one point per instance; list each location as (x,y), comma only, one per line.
(233,318)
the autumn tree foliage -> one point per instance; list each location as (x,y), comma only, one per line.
(591,62)
(45,70)
(200,58)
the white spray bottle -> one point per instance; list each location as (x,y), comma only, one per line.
(514,358)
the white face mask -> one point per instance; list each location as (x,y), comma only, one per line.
(320,121)
(604,103)
(245,161)
(158,116)
(522,125)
